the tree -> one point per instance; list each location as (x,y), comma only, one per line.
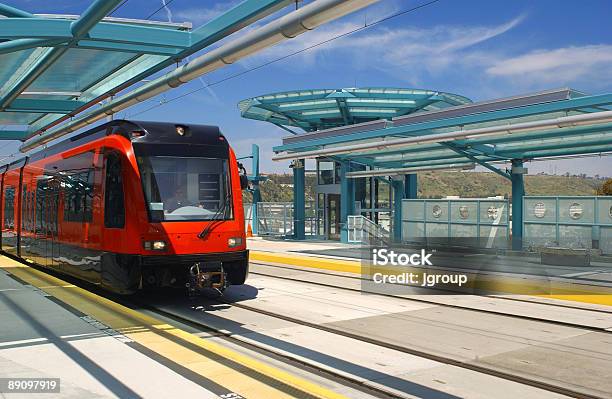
(605,188)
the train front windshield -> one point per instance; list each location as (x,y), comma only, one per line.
(186,188)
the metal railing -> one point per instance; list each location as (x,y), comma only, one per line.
(579,222)
(276,219)
(467,222)
(365,231)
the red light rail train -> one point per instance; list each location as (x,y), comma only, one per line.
(131,205)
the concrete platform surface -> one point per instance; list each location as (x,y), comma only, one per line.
(39,338)
(406,375)
(534,349)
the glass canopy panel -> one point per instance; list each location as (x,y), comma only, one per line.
(18,118)
(10,62)
(78,69)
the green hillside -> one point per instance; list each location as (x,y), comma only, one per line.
(484,184)
(279,188)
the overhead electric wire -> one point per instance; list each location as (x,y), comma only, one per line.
(159,9)
(118,7)
(359,29)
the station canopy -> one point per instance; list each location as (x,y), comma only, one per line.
(52,67)
(548,124)
(312,110)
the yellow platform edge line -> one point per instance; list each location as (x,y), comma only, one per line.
(509,285)
(307,261)
(287,378)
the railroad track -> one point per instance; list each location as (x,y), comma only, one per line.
(365,386)
(443,304)
(373,389)
(377,390)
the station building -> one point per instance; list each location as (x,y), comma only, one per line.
(369,144)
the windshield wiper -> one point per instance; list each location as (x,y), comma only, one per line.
(214,220)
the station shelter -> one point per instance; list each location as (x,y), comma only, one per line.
(370,143)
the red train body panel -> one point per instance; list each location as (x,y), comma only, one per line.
(130,205)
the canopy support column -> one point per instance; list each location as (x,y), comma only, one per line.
(256,190)
(398,194)
(518,192)
(299,200)
(410,186)
(347,199)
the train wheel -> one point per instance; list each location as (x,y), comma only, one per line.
(237,272)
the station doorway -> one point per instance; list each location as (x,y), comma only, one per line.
(333,212)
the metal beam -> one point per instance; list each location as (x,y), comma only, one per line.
(284,128)
(12,12)
(594,149)
(26,44)
(139,48)
(13,134)
(478,161)
(411,186)
(347,199)
(403,171)
(299,200)
(427,164)
(518,192)
(255,179)
(43,28)
(398,194)
(344,111)
(289,115)
(580,141)
(44,106)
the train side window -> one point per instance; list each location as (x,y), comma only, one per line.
(9,207)
(114,206)
(24,207)
(78,193)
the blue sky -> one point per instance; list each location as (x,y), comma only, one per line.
(480,49)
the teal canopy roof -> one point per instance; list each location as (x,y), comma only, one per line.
(319,109)
(548,124)
(52,67)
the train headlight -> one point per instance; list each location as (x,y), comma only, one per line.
(234,242)
(155,245)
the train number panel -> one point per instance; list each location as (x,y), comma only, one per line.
(130,206)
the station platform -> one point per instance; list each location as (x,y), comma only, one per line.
(517,270)
(44,338)
(100,348)
(289,332)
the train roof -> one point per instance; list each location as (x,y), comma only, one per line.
(153,133)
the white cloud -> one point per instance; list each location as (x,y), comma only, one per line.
(203,14)
(407,53)
(568,63)
(447,57)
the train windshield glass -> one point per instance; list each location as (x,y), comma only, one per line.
(186,188)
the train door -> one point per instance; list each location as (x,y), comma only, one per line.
(47,228)
(53,249)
